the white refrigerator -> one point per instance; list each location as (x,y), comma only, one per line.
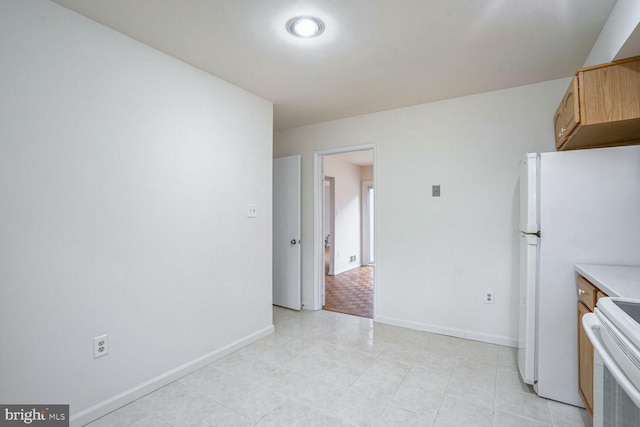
(576,207)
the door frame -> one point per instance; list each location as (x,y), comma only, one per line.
(318,217)
(367,236)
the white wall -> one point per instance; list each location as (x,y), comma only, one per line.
(348,190)
(620,36)
(436,256)
(124,180)
(366,173)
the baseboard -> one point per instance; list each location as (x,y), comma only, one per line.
(348,268)
(109,405)
(459,333)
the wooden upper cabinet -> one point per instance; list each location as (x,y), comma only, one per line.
(568,113)
(611,93)
(601,108)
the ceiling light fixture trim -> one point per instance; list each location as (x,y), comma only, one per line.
(305,27)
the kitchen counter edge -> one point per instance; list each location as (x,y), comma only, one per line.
(614,280)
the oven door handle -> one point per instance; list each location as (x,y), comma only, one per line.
(590,323)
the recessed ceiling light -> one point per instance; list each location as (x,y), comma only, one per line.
(305,27)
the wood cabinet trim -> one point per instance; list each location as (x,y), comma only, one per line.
(600,294)
(609,64)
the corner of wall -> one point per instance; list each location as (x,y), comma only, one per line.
(619,32)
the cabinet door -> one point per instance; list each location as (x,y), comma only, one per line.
(567,115)
(585,362)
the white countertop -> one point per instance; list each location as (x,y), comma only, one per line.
(614,280)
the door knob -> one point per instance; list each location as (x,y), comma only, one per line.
(293,241)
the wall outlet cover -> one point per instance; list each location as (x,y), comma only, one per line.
(100,346)
(488,297)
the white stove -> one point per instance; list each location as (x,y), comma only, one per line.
(614,331)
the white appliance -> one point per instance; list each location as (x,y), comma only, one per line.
(614,331)
(576,207)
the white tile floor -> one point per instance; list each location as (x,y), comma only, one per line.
(330,369)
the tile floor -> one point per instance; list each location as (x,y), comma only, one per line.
(330,369)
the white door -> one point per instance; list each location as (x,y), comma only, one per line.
(286,232)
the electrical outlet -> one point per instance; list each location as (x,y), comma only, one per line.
(100,346)
(252,210)
(435,191)
(488,297)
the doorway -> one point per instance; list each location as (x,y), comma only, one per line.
(346,209)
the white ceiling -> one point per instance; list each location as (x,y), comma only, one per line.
(374,54)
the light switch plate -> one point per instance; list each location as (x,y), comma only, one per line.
(252,210)
(435,190)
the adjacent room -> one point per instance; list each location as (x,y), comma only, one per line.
(348,230)
(252,213)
